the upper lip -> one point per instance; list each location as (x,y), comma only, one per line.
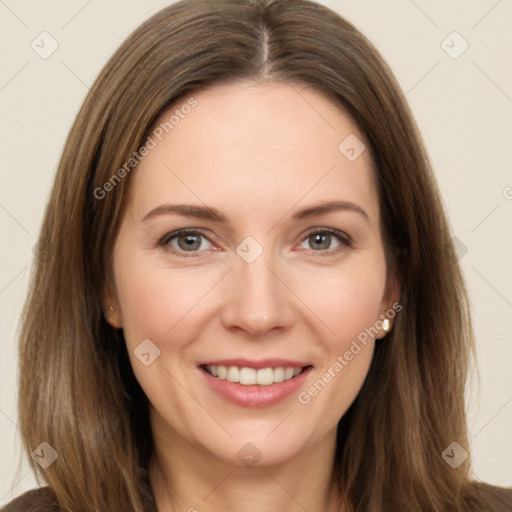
(250,363)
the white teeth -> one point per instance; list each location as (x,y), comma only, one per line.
(288,373)
(221,372)
(279,374)
(249,376)
(233,374)
(265,377)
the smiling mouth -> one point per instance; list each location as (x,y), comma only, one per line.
(247,376)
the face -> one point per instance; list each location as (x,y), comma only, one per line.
(250,249)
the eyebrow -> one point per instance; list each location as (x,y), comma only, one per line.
(207,213)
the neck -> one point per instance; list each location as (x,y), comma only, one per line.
(186,478)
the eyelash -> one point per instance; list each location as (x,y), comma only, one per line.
(345,241)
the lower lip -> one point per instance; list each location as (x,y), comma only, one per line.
(255,395)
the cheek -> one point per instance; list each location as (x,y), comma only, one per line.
(143,299)
(334,387)
(346,300)
(156,299)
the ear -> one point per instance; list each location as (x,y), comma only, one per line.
(390,303)
(111,309)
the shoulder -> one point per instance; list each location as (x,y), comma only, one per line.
(36,500)
(493,498)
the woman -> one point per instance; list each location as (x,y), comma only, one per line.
(255,298)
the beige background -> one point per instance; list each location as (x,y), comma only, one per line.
(463,107)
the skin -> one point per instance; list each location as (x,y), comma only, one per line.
(258,153)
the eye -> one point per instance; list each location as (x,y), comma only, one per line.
(194,242)
(326,240)
(186,241)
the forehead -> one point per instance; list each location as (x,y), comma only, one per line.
(265,143)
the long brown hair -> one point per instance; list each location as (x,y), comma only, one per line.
(77,390)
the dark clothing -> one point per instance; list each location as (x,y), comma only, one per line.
(42,500)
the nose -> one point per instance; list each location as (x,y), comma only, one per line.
(256,301)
